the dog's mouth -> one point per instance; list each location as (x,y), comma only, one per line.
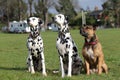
(53,19)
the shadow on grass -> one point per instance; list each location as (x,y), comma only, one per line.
(57,72)
(51,72)
(16,68)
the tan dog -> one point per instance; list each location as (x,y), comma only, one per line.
(92,51)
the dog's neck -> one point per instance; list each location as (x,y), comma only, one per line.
(63,32)
(64,28)
(34,33)
(91,41)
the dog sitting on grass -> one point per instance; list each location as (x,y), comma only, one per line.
(92,51)
(70,61)
(35,60)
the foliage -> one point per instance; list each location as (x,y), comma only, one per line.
(67,9)
(13,54)
(112,9)
(76,22)
(90,20)
(38,9)
(13,10)
(30,2)
(41,9)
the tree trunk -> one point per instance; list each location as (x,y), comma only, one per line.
(7,9)
(46,20)
(118,19)
(19,10)
(45,14)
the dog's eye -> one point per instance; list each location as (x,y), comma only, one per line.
(31,29)
(33,19)
(87,28)
(59,16)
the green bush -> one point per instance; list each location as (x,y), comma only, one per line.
(90,20)
(1,25)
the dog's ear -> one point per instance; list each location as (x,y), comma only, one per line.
(95,27)
(28,20)
(66,20)
(66,17)
(40,22)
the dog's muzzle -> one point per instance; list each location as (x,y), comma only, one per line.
(53,19)
(82,32)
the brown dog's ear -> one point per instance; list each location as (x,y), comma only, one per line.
(95,27)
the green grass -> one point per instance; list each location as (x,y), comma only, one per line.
(13,53)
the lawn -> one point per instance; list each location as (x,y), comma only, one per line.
(13,53)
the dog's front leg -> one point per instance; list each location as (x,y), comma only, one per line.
(31,64)
(28,63)
(70,64)
(43,64)
(87,67)
(62,68)
(100,61)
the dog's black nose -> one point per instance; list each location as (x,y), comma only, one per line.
(40,22)
(28,20)
(53,19)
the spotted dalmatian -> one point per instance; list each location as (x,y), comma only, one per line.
(35,58)
(70,61)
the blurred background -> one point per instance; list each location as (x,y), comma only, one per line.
(104,13)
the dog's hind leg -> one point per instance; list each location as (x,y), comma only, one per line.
(31,64)
(100,61)
(87,67)
(105,68)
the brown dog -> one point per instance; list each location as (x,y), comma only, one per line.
(92,51)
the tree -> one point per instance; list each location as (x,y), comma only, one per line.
(65,7)
(112,9)
(41,9)
(76,5)
(22,9)
(13,9)
(30,6)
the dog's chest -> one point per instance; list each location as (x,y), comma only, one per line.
(61,46)
(35,45)
(90,53)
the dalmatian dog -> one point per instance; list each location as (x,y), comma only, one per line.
(35,60)
(70,62)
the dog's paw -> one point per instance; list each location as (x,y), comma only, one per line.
(88,73)
(99,73)
(68,75)
(33,72)
(63,76)
(44,74)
